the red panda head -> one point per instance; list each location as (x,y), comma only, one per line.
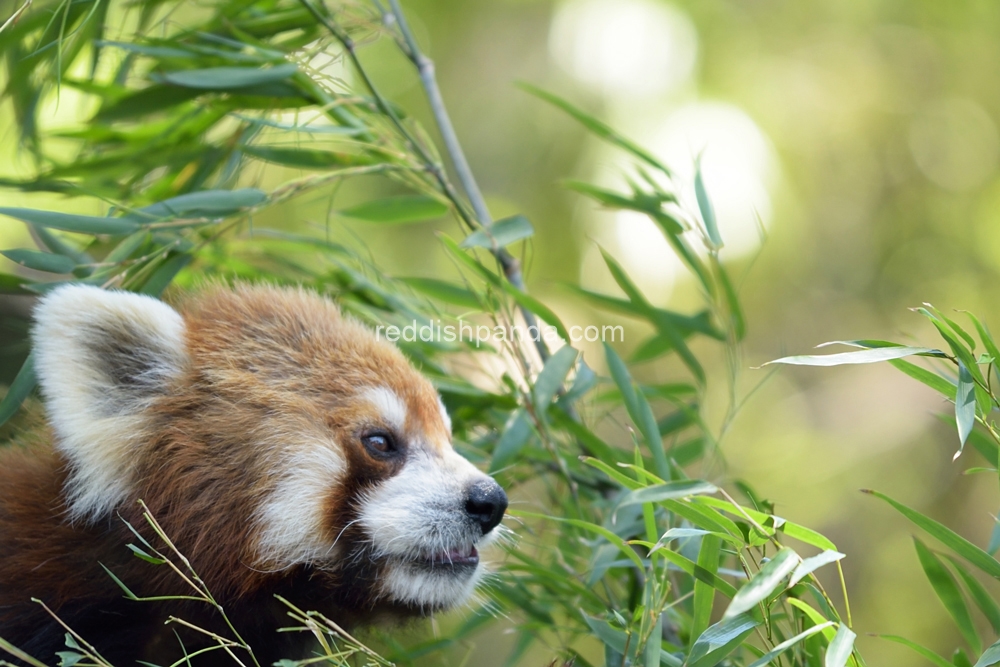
(271,437)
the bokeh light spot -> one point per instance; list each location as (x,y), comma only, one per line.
(624,47)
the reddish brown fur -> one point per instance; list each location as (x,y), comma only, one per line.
(266,365)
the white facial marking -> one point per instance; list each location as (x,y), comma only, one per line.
(419,514)
(99,422)
(389,405)
(292,519)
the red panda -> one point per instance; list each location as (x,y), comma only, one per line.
(282,448)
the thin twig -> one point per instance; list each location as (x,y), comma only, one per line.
(510,265)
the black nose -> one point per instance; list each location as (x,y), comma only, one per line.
(486,504)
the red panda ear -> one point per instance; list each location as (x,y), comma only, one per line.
(101,357)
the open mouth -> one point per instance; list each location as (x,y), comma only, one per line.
(466,557)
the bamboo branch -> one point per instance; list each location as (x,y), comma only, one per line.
(510,265)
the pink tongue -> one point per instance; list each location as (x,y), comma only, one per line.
(455,555)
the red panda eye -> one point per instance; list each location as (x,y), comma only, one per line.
(380,444)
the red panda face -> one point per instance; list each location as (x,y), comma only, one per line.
(272,438)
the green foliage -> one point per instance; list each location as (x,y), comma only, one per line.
(631,555)
(965,379)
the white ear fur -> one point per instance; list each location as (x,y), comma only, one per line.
(101,357)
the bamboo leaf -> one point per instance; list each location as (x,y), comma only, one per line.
(789,528)
(705,207)
(40,261)
(965,406)
(501,233)
(551,379)
(19,389)
(305,158)
(229,78)
(810,565)
(861,357)
(515,436)
(946,536)
(720,640)
(839,650)
(939,384)
(982,597)
(203,204)
(925,653)
(948,592)
(444,291)
(704,594)
(990,657)
(764,582)
(599,128)
(397,210)
(769,657)
(639,411)
(667,491)
(68,222)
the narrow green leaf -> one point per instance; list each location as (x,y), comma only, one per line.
(610,536)
(636,297)
(551,379)
(128,245)
(152,99)
(720,640)
(789,528)
(704,594)
(305,158)
(68,222)
(948,592)
(444,291)
(839,650)
(40,261)
(705,207)
(769,657)
(639,411)
(53,243)
(139,553)
(164,275)
(933,380)
(982,597)
(965,406)
(764,582)
(515,436)
(397,210)
(19,389)
(599,128)
(667,491)
(147,49)
(984,335)
(960,545)
(862,357)
(810,565)
(501,233)
(203,204)
(229,78)
(738,320)
(613,637)
(307,129)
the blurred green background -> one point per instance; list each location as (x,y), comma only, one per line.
(852,152)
